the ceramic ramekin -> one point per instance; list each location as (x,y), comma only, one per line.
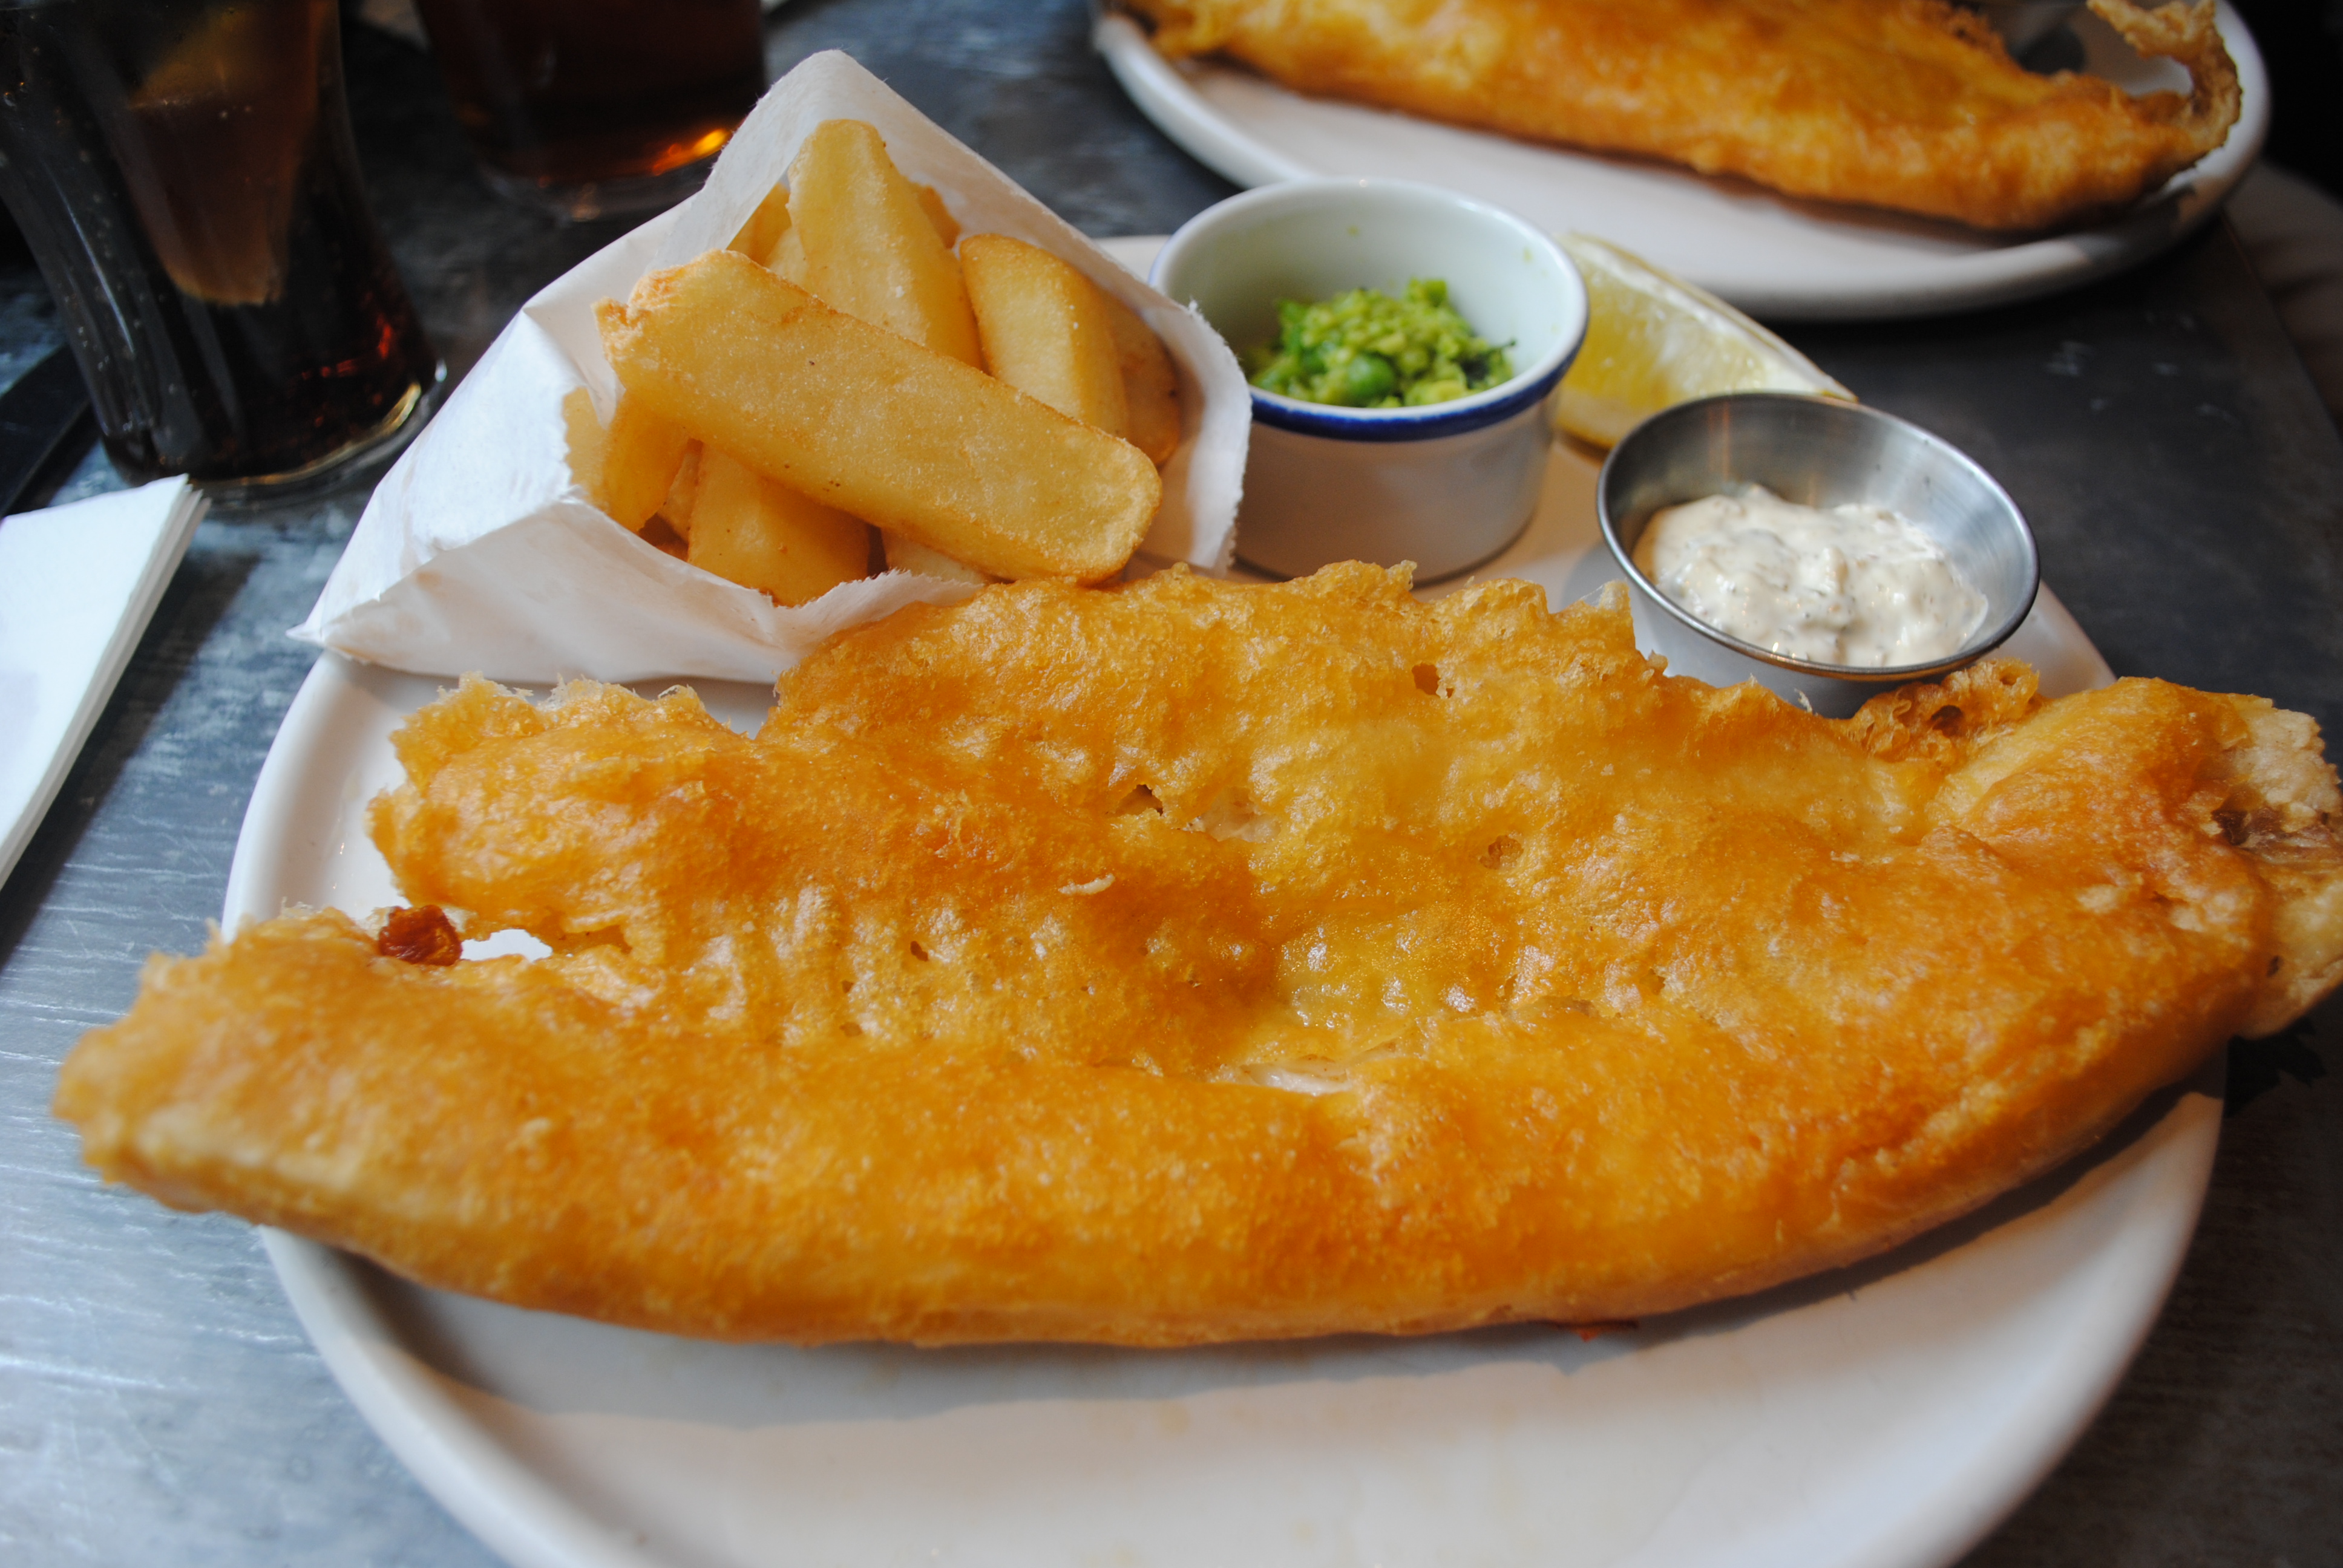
(1818,452)
(1446,485)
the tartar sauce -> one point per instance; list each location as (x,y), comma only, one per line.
(1856,585)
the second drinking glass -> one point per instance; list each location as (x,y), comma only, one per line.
(592,108)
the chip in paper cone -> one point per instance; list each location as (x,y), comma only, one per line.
(480,551)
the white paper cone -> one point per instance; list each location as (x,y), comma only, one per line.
(479,551)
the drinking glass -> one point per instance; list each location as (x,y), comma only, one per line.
(186,181)
(591,109)
(184,173)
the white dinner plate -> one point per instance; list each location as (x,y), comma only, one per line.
(1772,255)
(1885,1416)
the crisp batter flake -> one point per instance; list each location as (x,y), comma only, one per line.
(1913,104)
(1189,962)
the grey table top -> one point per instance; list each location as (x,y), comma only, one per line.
(158,1403)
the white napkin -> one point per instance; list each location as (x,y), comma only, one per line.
(480,552)
(78,585)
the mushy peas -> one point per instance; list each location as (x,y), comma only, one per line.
(1364,349)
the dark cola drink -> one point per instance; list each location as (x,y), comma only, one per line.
(584,108)
(184,174)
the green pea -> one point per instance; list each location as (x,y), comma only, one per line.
(1364,382)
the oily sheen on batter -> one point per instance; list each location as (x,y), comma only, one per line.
(1188,961)
(1906,103)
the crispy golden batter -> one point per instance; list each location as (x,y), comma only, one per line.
(1907,104)
(1189,962)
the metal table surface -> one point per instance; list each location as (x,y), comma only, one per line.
(159,1404)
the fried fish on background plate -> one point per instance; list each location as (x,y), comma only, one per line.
(1189,962)
(1913,104)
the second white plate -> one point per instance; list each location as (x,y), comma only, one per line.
(1772,255)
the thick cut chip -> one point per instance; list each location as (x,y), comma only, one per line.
(589,441)
(750,530)
(766,226)
(1045,330)
(908,555)
(1150,385)
(931,202)
(789,257)
(684,493)
(869,422)
(871,247)
(639,461)
(1191,962)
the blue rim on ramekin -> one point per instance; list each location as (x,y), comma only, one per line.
(1456,417)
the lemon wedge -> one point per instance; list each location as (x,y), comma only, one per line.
(1653,341)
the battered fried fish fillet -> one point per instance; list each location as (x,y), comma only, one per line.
(1190,961)
(1913,104)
